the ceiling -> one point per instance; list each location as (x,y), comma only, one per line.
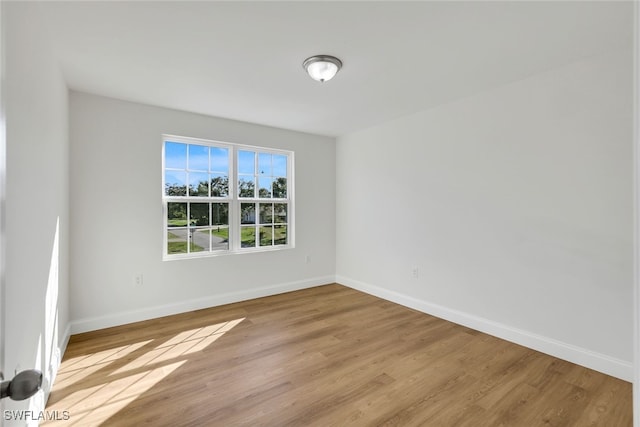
(243,60)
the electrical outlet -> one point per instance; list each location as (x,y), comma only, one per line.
(137,279)
(414,272)
(307,259)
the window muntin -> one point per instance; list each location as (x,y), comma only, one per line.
(210,209)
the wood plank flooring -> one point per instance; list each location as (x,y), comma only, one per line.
(326,356)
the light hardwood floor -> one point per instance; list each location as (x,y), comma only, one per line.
(326,356)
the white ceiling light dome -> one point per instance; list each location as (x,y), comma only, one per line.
(322,68)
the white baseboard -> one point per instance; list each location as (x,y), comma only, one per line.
(122,318)
(599,362)
(65,340)
(56,362)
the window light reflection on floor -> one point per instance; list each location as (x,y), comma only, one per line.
(114,378)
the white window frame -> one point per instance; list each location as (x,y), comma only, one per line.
(232,199)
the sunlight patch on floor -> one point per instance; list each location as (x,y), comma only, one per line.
(96,404)
(81,367)
(102,357)
(182,344)
(95,387)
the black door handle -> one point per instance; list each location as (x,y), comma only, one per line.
(22,386)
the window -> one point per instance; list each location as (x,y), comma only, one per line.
(225,198)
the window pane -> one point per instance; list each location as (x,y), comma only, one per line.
(266,236)
(175,183)
(200,240)
(247,186)
(280,213)
(198,157)
(264,185)
(220,221)
(219,160)
(220,238)
(177,214)
(177,241)
(280,235)
(175,155)
(248,237)
(279,165)
(199,184)
(219,185)
(219,214)
(264,164)
(199,213)
(247,213)
(266,213)
(246,162)
(280,188)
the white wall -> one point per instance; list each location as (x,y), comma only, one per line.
(117,217)
(636,170)
(515,205)
(37,221)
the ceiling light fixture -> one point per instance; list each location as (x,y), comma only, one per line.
(322,68)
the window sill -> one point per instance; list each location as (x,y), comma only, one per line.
(177,257)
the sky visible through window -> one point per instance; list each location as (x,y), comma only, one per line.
(205,163)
